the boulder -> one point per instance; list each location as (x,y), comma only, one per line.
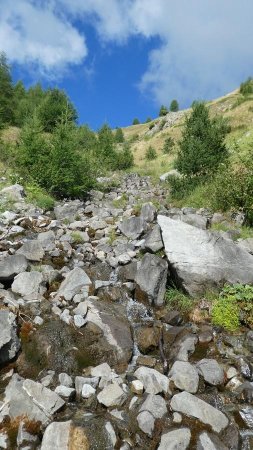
(153,241)
(112,395)
(155,405)
(64,436)
(246,244)
(151,279)
(211,371)
(29,285)
(193,406)
(184,376)
(148,212)
(9,342)
(76,282)
(133,227)
(209,441)
(11,266)
(32,250)
(153,381)
(14,193)
(67,211)
(175,440)
(146,422)
(31,399)
(47,240)
(201,260)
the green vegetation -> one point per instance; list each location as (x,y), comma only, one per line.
(234,306)
(168,145)
(150,153)
(163,111)
(6,93)
(174,106)
(119,136)
(176,299)
(39,197)
(148,119)
(136,121)
(77,237)
(246,87)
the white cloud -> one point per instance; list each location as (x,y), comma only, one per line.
(205,45)
(30,34)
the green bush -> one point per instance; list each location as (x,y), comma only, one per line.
(176,299)
(168,145)
(151,125)
(125,158)
(233,189)
(150,153)
(39,197)
(234,305)
(136,121)
(246,87)
(148,119)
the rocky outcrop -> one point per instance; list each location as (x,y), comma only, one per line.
(201,260)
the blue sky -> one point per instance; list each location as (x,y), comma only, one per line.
(120,59)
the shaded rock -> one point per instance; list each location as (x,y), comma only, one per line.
(209,441)
(67,211)
(153,241)
(47,240)
(66,392)
(201,260)
(178,439)
(153,381)
(246,244)
(32,250)
(29,285)
(211,371)
(190,405)
(148,212)
(155,405)
(196,220)
(151,279)
(184,376)
(133,227)
(9,342)
(11,266)
(147,338)
(65,379)
(64,436)
(26,397)
(247,416)
(76,282)
(112,395)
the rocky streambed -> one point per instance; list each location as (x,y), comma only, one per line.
(91,355)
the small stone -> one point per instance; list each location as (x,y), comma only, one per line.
(177,418)
(231,372)
(184,376)
(66,392)
(38,320)
(175,440)
(88,391)
(211,371)
(137,387)
(111,395)
(102,370)
(155,405)
(154,382)
(146,422)
(65,380)
(111,433)
(79,321)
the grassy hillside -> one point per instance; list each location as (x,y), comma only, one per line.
(235,107)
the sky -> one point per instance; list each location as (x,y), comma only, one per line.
(121,59)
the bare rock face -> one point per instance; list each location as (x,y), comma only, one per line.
(201,260)
(151,279)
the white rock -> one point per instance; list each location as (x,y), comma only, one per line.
(146,422)
(65,392)
(111,433)
(102,370)
(79,321)
(137,387)
(153,381)
(88,391)
(175,440)
(111,395)
(184,376)
(65,379)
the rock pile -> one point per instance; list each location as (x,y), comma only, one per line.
(90,355)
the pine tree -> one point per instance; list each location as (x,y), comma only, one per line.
(6,92)
(53,106)
(174,106)
(163,111)
(202,147)
(119,136)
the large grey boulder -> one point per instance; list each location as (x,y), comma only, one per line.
(133,227)
(112,395)
(155,405)
(209,441)
(151,279)
(31,399)
(67,211)
(184,376)
(64,436)
(148,212)
(32,250)
(175,440)
(76,282)
(153,241)
(193,406)
(9,342)
(211,371)
(47,240)
(29,285)
(146,422)
(202,260)
(11,266)
(15,192)
(153,381)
